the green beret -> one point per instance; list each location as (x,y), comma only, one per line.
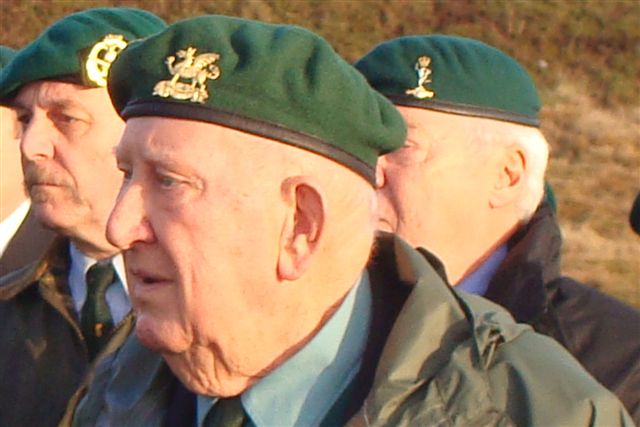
(6,54)
(79,48)
(275,81)
(454,75)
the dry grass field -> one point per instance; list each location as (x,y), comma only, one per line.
(584,56)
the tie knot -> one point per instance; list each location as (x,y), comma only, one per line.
(99,277)
(227,412)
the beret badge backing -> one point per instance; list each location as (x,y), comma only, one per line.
(101,56)
(190,75)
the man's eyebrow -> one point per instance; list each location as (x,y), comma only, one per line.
(64,103)
(15,104)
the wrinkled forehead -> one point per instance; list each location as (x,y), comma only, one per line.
(156,138)
(46,93)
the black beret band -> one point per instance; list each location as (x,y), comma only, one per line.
(255,127)
(465,110)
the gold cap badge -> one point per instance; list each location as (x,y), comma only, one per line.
(424,73)
(194,70)
(101,57)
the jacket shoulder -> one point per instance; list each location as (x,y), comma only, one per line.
(590,324)
(459,360)
(17,281)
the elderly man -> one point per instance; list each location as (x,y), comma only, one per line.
(60,312)
(247,219)
(22,237)
(468,184)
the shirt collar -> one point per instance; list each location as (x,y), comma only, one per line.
(303,389)
(80,264)
(478,281)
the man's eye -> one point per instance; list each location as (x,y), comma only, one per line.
(167,181)
(24,119)
(66,119)
(126,174)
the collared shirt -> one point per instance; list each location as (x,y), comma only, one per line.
(302,390)
(117,294)
(478,281)
(10,225)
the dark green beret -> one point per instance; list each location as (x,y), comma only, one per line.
(79,48)
(275,81)
(453,75)
(6,54)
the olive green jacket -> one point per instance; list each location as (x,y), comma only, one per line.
(435,358)
(43,355)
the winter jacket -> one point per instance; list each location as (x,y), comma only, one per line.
(600,331)
(43,355)
(433,358)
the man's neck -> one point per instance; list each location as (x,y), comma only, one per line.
(482,253)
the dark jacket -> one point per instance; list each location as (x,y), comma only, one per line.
(600,331)
(43,356)
(26,246)
(433,358)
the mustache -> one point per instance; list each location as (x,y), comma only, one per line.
(42,175)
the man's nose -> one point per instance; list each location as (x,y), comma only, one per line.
(128,223)
(38,140)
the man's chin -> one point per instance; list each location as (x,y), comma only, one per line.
(151,340)
(50,217)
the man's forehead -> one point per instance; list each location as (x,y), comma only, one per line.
(158,137)
(46,93)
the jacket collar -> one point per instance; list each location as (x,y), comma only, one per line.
(50,271)
(434,355)
(532,262)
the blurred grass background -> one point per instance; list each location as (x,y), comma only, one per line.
(583,55)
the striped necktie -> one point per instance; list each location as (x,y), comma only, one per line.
(95,318)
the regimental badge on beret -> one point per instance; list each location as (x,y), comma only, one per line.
(195,69)
(424,73)
(101,57)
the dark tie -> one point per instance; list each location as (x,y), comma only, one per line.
(95,319)
(227,412)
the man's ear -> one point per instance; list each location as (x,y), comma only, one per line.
(509,182)
(302,227)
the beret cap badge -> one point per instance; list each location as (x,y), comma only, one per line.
(101,56)
(424,73)
(194,71)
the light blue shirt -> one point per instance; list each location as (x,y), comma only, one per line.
(302,390)
(117,294)
(478,281)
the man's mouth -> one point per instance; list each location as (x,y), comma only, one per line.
(146,278)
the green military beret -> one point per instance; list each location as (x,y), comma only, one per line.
(276,81)
(6,54)
(453,75)
(79,48)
